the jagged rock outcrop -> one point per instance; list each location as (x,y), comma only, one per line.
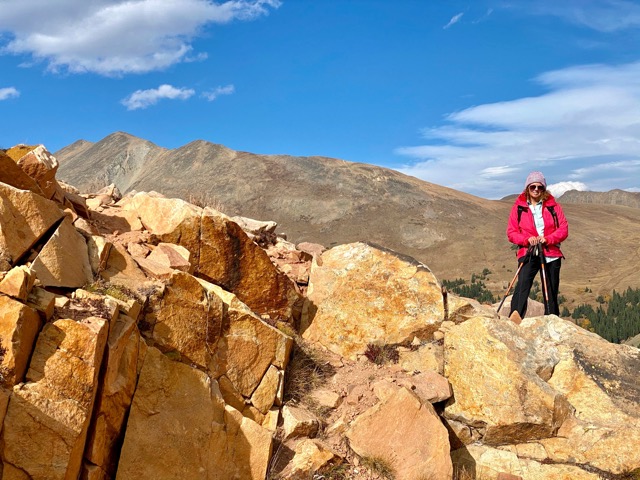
(64,259)
(124,354)
(201,437)
(48,416)
(222,252)
(95,359)
(24,218)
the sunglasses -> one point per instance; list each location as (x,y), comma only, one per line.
(536,187)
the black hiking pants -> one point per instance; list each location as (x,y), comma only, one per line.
(526,276)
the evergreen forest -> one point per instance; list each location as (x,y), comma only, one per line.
(616,318)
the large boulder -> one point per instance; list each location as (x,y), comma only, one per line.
(248,346)
(496,383)
(360,294)
(18,282)
(48,416)
(547,391)
(406,434)
(600,381)
(211,328)
(64,260)
(24,218)
(40,165)
(12,174)
(179,427)
(221,252)
(189,321)
(170,219)
(229,258)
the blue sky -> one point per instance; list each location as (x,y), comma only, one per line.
(468,94)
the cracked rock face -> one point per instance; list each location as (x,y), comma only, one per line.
(493,373)
(360,294)
(547,390)
(25,217)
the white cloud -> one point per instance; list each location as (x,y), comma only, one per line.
(216,92)
(558,189)
(145,98)
(585,127)
(8,92)
(114,37)
(455,19)
(600,15)
(483,17)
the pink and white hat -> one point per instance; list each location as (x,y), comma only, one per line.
(534,177)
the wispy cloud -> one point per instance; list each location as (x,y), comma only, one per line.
(484,17)
(585,128)
(114,37)
(600,15)
(216,92)
(8,92)
(455,19)
(145,98)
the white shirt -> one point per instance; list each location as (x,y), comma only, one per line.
(536,210)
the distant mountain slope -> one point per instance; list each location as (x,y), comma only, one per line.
(117,159)
(612,197)
(332,201)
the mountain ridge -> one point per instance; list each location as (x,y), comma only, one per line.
(332,201)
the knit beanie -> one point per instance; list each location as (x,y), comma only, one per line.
(535,177)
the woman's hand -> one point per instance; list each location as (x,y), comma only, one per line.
(536,240)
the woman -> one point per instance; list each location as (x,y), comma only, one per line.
(537,222)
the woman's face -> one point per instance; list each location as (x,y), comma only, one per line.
(536,190)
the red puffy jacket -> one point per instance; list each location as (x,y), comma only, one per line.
(519,232)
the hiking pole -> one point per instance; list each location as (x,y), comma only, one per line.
(525,260)
(545,291)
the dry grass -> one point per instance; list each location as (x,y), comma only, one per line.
(382,354)
(379,466)
(113,290)
(204,200)
(338,471)
(307,371)
(461,472)
(3,369)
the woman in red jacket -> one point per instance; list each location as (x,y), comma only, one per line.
(537,219)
